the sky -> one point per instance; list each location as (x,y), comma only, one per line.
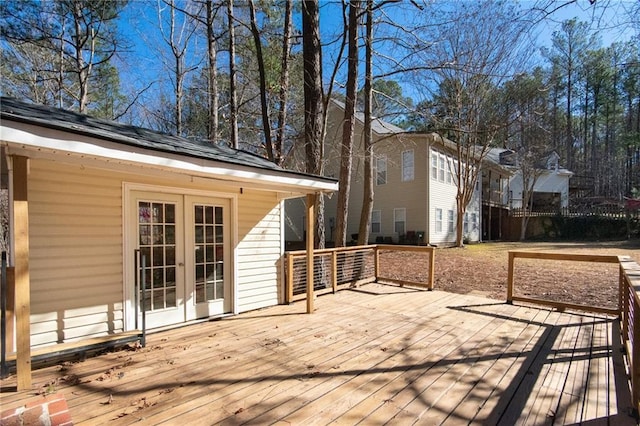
(144,64)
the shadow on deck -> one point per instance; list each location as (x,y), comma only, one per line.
(375,354)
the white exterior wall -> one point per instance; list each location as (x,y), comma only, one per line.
(259,250)
(76,248)
(548,181)
(75,219)
(442,195)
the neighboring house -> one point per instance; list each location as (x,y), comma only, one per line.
(551,189)
(87,195)
(414,192)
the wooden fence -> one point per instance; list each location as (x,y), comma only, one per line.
(339,268)
(616,212)
(628,309)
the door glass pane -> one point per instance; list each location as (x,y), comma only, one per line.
(209,228)
(158,246)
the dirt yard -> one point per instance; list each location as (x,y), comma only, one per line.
(482,269)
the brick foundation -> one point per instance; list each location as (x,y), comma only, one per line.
(50,410)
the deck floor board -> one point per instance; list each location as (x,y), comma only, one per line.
(376,354)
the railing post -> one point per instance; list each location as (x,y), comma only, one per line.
(289,278)
(625,295)
(376,262)
(621,291)
(311,221)
(635,362)
(432,268)
(510,279)
(3,318)
(334,271)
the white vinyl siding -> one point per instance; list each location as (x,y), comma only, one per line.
(259,250)
(442,196)
(407,166)
(376,226)
(76,256)
(75,218)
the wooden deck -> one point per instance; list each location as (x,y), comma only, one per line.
(377,354)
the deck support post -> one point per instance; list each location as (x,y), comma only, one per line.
(20,167)
(311,231)
(510,279)
(432,268)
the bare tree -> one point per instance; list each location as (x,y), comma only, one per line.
(60,47)
(284,85)
(346,156)
(212,51)
(367,198)
(178,37)
(313,100)
(479,47)
(233,101)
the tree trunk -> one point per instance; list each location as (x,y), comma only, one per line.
(83,70)
(460,211)
(346,157)
(212,125)
(313,106)
(284,85)
(233,97)
(569,140)
(262,76)
(367,199)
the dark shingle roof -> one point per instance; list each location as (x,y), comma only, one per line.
(55,118)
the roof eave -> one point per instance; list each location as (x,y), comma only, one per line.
(24,137)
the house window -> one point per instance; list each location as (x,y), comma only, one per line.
(434,166)
(441,168)
(474,221)
(438,220)
(407,165)
(399,219)
(449,172)
(466,223)
(376,217)
(381,170)
(450,221)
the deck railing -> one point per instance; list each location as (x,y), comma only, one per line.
(513,255)
(339,268)
(630,317)
(628,306)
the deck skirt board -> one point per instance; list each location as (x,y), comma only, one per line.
(370,355)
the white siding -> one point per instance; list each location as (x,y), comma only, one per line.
(548,181)
(442,195)
(259,250)
(75,245)
(76,248)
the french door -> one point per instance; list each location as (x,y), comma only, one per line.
(185,244)
(208,257)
